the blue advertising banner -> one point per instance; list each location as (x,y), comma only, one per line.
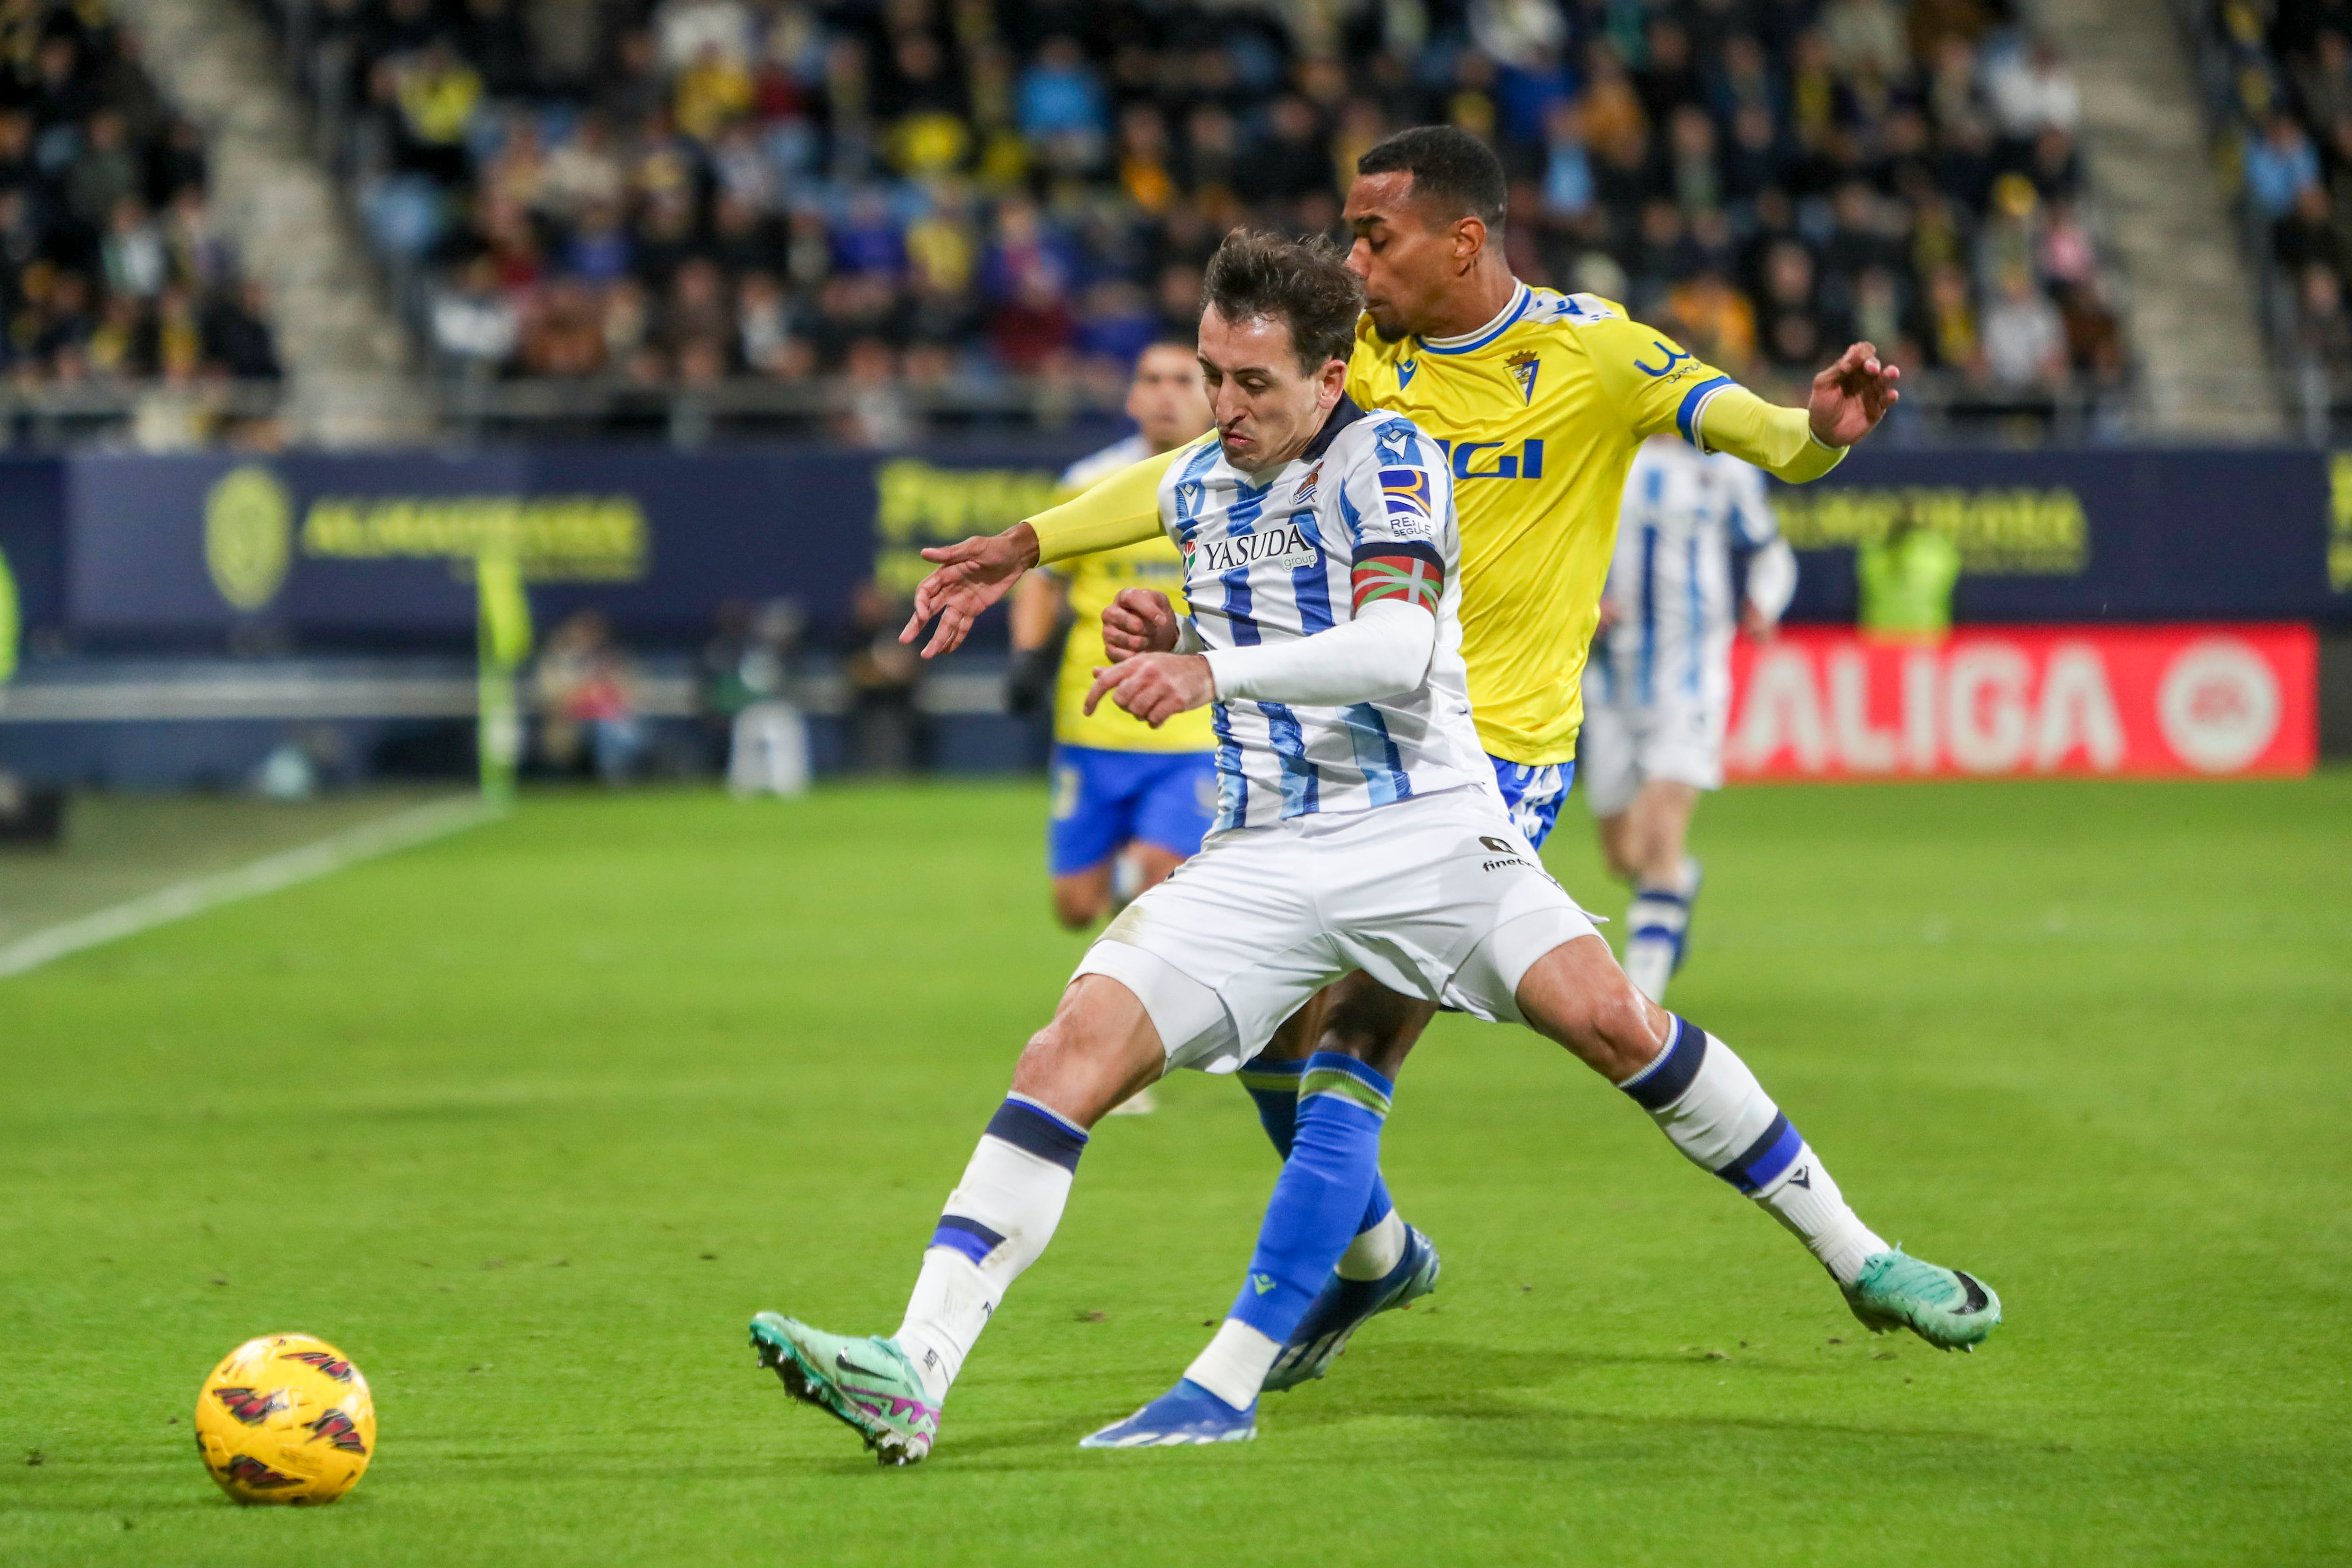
(2096,536)
(383,546)
(33,543)
(379,549)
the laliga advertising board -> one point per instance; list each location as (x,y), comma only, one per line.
(2192,702)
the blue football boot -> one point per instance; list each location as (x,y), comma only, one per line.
(1185,1415)
(1343,1305)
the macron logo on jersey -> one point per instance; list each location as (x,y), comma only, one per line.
(1405,368)
(1239,552)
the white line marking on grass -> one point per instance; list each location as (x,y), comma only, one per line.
(402,830)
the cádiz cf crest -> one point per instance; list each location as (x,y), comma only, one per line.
(1524,365)
(248,535)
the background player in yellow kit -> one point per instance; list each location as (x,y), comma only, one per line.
(1129,801)
(1540,400)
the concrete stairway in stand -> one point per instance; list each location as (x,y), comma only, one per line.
(346,354)
(2194,321)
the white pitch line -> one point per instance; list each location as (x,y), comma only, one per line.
(402,830)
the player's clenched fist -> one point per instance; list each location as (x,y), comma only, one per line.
(1141,620)
(1155,686)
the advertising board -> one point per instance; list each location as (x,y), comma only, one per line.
(2194,700)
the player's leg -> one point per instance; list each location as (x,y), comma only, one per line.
(1083,896)
(1665,880)
(1090,818)
(1199,964)
(1272,1078)
(1605,762)
(1101,1045)
(1329,1170)
(1710,1106)
(1388,1264)
(1168,813)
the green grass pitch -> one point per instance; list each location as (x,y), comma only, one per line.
(530,1121)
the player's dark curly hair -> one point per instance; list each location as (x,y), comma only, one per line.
(1453,171)
(1303,283)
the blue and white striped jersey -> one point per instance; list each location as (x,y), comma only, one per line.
(1670,587)
(1366,512)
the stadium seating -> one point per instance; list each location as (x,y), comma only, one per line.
(916,198)
(2278,75)
(112,269)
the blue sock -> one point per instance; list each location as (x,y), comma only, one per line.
(1274,1088)
(1331,1175)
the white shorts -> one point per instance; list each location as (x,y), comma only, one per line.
(1438,896)
(1678,738)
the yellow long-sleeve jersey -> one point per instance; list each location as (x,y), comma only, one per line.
(1541,413)
(1093,580)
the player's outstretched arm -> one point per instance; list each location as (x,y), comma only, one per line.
(1122,509)
(1796,445)
(966,578)
(973,575)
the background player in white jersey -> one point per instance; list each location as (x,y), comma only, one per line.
(1360,828)
(1658,687)
(1129,801)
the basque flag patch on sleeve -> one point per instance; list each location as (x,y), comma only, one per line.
(1398,569)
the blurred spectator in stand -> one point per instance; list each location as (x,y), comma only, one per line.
(2309,235)
(236,336)
(1061,107)
(2279,166)
(2025,340)
(911,200)
(877,413)
(2323,328)
(475,325)
(2031,90)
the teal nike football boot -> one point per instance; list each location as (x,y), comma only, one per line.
(1949,1309)
(867,1384)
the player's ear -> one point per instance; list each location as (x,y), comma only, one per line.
(1469,239)
(1331,382)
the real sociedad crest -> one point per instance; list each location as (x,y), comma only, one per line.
(1525,365)
(248,535)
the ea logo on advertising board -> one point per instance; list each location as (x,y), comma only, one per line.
(2219,706)
(248,536)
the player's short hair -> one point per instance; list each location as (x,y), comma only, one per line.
(1303,283)
(1452,171)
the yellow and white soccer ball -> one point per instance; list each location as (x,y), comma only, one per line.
(286,1419)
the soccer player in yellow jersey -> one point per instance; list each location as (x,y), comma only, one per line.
(1541,400)
(1129,801)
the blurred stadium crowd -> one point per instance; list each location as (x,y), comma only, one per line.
(911,195)
(113,267)
(2280,74)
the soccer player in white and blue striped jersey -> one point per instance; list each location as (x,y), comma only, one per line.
(1360,829)
(1657,690)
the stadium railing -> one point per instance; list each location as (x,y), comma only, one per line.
(1939,406)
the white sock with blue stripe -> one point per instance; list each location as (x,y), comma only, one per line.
(1656,923)
(1709,1105)
(996,1224)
